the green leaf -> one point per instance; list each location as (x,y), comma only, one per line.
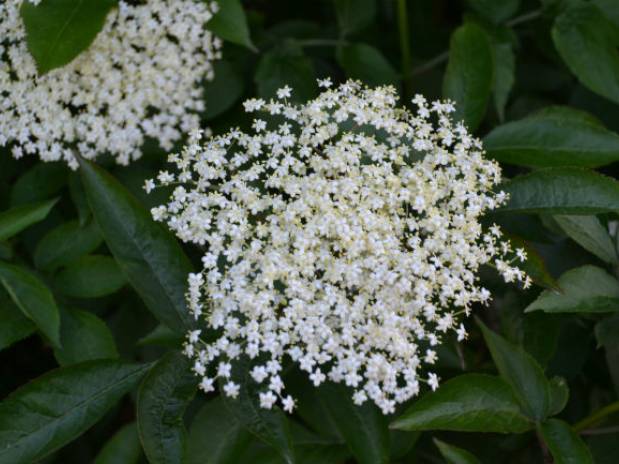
(559,394)
(564,444)
(534,266)
(562,191)
(313,410)
(496,11)
(215,437)
(401,443)
(59,30)
(554,136)
(364,427)
(470,74)
(19,218)
(6,251)
(587,41)
(540,335)
(84,337)
(610,8)
(41,182)
(367,63)
(467,403)
(91,276)
(504,74)
(149,256)
(607,331)
(604,448)
(224,90)
(314,448)
(78,197)
(162,336)
(270,426)
(66,243)
(285,65)
(123,448)
(455,455)
(607,336)
(230,23)
(354,15)
(15,326)
(163,397)
(589,233)
(33,298)
(585,289)
(54,409)
(522,372)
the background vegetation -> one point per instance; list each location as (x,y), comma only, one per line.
(91,303)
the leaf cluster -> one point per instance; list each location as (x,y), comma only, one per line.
(92,291)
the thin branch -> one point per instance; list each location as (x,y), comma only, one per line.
(545,451)
(602,431)
(321,42)
(530,16)
(428,65)
(405,49)
(596,417)
(441,58)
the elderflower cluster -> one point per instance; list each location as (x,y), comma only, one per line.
(342,234)
(141,77)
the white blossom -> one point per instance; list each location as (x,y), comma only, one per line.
(140,78)
(333,243)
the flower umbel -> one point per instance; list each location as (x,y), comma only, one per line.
(346,237)
(141,77)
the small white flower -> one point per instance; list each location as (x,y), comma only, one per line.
(206,385)
(231,389)
(284,92)
(317,377)
(288,404)
(253,104)
(259,373)
(461,332)
(267,400)
(199,368)
(325,83)
(430,357)
(224,370)
(359,397)
(259,125)
(194,336)
(149,185)
(433,381)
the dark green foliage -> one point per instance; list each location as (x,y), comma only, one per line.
(92,291)
(162,399)
(59,30)
(467,403)
(469,75)
(147,254)
(230,23)
(54,409)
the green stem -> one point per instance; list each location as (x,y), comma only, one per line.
(596,417)
(405,47)
(441,58)
(428,65)
(603,431)
(531,15)
(321,42)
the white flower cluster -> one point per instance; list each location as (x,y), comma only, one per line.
(344,235)
(139,78)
